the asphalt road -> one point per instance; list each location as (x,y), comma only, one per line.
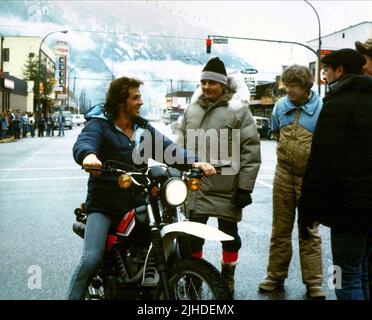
(40,186)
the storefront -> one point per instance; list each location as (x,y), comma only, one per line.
(13,93)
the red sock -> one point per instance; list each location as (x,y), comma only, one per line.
(229,257)
(198,254)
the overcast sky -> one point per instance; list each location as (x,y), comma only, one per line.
(278,20)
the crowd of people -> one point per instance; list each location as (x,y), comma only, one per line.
(323,173)
(17,124)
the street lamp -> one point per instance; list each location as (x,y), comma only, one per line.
(39,67)
(68,84)
(319,44)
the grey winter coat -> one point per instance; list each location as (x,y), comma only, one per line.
(229,112)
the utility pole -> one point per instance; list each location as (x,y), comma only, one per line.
(1,56)
(2,70)
(68,84)
(319,45)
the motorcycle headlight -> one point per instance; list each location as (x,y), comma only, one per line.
(124,181)
(175,192)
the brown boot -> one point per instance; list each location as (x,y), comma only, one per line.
(315,292)
(270,284)
(227,274)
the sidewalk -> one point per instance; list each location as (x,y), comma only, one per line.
(10,139)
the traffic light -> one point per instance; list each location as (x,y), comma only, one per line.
(208,42)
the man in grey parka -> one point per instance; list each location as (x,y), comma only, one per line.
(219,127)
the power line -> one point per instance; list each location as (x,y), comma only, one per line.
(144,80)
(114,32)
(184,14)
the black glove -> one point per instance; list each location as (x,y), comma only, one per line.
(242,198)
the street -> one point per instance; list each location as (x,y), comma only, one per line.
(41,185)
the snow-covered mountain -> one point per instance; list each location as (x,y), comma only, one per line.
(145,39)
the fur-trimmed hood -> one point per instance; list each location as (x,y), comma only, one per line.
(236,90)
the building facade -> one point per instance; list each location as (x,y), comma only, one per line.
(344,38)
(16,51)
(13,93)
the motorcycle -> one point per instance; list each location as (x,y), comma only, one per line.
(148,255)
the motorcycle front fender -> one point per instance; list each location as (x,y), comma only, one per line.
(174,230)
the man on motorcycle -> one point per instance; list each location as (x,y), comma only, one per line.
(112,134)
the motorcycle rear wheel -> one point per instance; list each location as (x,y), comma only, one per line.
(195,279)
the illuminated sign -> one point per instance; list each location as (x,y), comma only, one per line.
(9,84)
(62,48)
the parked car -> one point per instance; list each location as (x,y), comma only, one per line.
(78,119)
(68,119)
(170,117)
(175,125)
(264,127)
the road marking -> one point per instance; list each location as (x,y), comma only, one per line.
(265,184)
(32,169)
(43,179)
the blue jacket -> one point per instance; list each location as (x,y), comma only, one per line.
(295,126)
(101,137)
(283,113)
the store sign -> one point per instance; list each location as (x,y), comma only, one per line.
(9,84)
(323,53)
(60,74)
(251,84)
(62,48)
(62,96)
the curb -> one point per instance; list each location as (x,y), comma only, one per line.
(7,140)
(11,139)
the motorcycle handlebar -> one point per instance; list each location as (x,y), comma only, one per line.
(116,167)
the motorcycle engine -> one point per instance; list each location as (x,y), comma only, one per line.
(134,260)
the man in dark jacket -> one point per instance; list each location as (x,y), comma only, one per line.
(114,135)
(366,50)
(337,186)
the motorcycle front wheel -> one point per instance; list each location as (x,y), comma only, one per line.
(195,279)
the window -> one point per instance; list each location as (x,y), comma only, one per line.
(6,54)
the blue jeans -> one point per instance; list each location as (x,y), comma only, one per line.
(350,250)
(61,129)
(96,232)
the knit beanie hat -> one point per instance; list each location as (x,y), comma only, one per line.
(214,70)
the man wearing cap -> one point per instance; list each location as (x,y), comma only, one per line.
(220,104)
(366,50)
(337,186)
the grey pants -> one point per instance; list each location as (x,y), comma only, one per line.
(96,231)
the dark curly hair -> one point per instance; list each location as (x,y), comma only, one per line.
(118,94)
(299,75)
